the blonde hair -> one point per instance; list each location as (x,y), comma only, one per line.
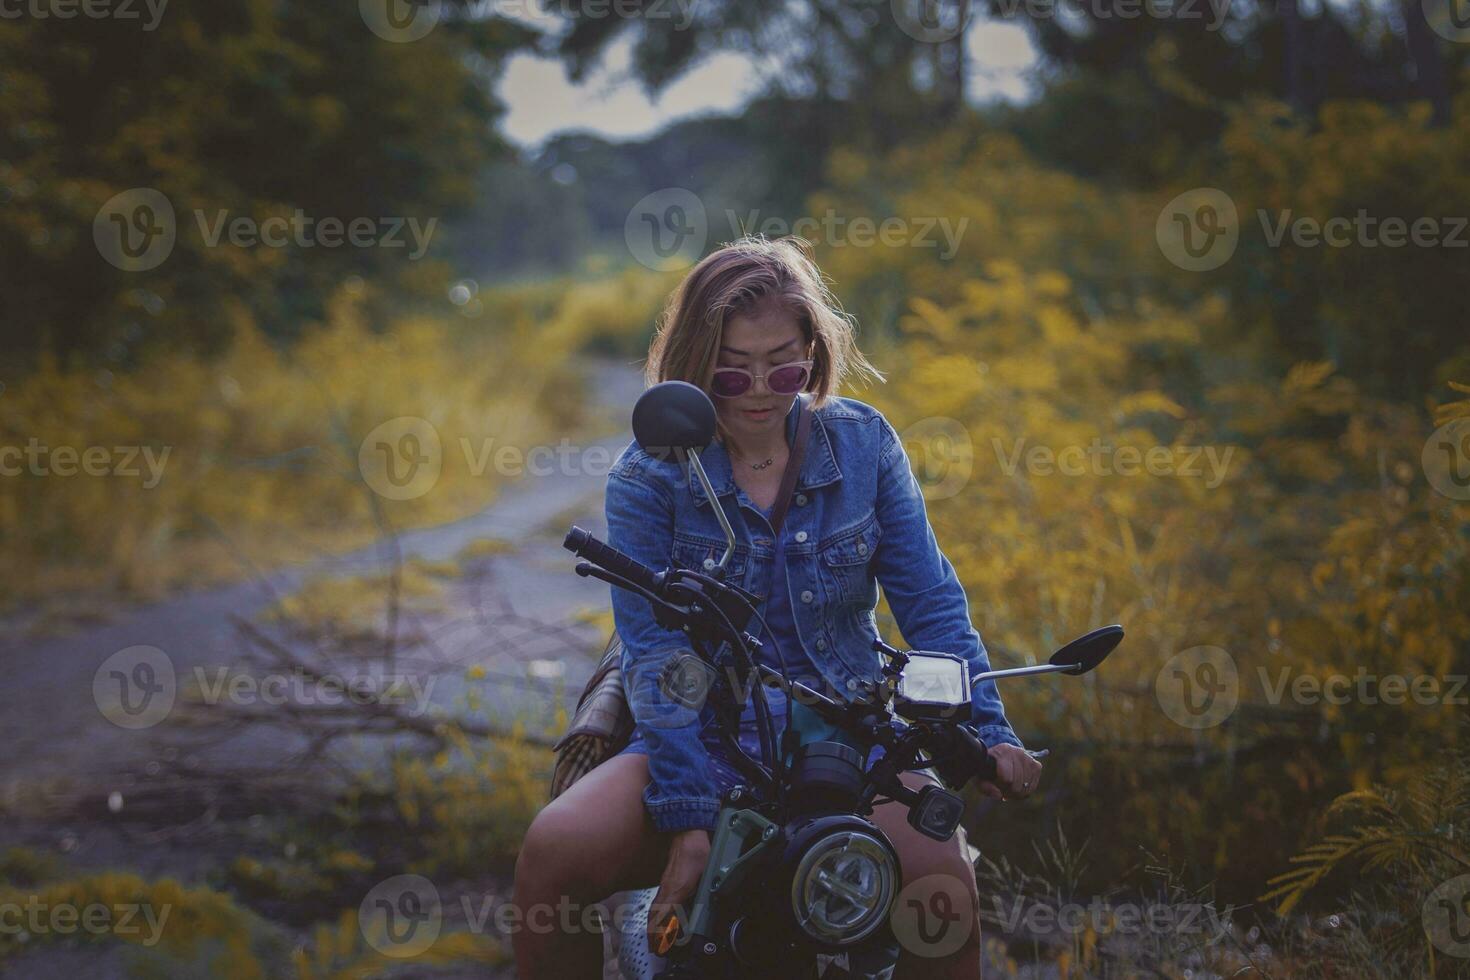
(738,279)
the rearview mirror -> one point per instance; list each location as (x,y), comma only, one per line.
(672,418)
(1088,650)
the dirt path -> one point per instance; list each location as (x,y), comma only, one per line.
(55,732)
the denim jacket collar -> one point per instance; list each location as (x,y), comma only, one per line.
(818,469)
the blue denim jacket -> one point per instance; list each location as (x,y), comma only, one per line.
(856,521)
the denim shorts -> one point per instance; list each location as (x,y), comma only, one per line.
(726,775)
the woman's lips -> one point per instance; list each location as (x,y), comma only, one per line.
(762,413)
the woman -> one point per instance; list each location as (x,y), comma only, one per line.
(754,326)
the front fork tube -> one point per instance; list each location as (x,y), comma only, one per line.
(740,839)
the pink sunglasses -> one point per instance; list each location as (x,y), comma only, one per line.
(784,379)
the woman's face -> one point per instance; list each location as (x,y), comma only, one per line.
(759,342)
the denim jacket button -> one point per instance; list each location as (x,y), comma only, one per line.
(862,547)
(852,685)
(800,536)
(806,595)
(709,564)
(821,644)
(800,499)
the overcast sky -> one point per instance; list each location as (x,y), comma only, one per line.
(541,101)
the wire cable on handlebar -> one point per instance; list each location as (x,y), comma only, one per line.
(762,709)
(762,712)
(779,762)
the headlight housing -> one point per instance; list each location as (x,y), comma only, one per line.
(844,885)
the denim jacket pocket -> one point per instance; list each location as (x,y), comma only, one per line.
(702,554)
(845,558)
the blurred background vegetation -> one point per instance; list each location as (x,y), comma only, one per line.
(1058,320)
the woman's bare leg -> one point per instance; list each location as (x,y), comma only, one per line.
(937,920)
(593,840)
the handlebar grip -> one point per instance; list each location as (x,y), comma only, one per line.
(980,758)
(582,544)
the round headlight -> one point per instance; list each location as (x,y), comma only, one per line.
(843,887)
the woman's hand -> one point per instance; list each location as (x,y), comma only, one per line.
(688,855)
(1016,773)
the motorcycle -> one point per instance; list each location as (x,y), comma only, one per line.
(800,882)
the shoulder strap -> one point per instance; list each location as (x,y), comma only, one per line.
(793,465)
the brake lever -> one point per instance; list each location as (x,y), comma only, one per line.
(676,614)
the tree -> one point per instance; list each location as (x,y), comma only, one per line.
(233,109)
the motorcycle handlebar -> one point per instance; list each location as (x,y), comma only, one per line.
(980,760)
(582,544)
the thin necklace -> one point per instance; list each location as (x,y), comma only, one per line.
(756,466)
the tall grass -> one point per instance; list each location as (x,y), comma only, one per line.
(188,469)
